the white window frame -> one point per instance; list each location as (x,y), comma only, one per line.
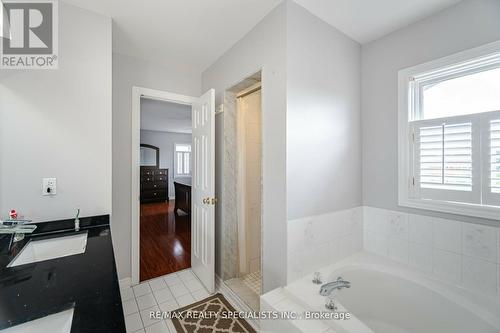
(176,171)
(456,65)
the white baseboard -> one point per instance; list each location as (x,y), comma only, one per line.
(236,301)
(125,283)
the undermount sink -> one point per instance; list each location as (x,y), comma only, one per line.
(56,323)
(50,248)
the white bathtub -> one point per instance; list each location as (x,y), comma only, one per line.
(386,297)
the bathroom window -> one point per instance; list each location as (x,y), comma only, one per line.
(182,160)
(449,134)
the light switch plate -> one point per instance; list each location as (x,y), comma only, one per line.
(49,186)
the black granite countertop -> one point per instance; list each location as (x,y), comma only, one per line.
(87,282)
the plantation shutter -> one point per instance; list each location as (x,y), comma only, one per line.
(445,165)
(495,156)
(491,156)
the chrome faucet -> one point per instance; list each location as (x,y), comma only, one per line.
(77,220)
(328,288)
(16,227)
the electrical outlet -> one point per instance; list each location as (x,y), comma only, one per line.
(49,186)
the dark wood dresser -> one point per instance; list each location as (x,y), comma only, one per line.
(154,184)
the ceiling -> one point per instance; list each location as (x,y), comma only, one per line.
(188,33)
(192,34)
(165,116)
(367,20)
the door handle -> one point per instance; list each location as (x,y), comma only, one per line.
(209,201)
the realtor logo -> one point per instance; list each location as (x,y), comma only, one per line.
(32,39)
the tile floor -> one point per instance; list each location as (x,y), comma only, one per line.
(253,281)
(165,293)
(248,290)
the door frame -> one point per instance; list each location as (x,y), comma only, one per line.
(137,93)
(261,86)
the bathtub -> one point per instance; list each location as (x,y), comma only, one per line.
(386,297)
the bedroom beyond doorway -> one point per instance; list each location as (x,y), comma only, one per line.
(165,188)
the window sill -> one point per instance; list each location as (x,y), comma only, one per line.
(485,212)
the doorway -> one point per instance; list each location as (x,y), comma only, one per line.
(242,273)
(203,181)
(165,187)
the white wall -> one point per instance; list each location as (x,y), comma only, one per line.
(264,47)
(128,72)
(323,144)
(166,141)
(57,123)
(466,25)
(323,117)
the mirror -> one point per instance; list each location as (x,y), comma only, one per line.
(150,155)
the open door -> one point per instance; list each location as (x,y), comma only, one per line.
(203,190)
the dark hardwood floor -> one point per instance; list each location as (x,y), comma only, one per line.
(165,240)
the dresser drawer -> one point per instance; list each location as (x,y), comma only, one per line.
(161,172)
(152,194)
(153,185)
(147,172)
(160,178)
(147,179)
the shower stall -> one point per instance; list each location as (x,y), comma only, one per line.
(241,213)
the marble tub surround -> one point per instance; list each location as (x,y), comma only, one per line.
(464,254)
(460,253)
(321,240)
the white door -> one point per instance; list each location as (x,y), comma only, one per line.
(203,190)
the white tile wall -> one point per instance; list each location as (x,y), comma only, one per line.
(479,241)
(317,241)
(398,226)
(375,242)
(479,275)
(466,254)
(447,265)
(167,293)
(420,257)
(398,249)
(420,229)
(447,235)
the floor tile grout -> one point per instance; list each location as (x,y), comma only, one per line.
(185,278)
